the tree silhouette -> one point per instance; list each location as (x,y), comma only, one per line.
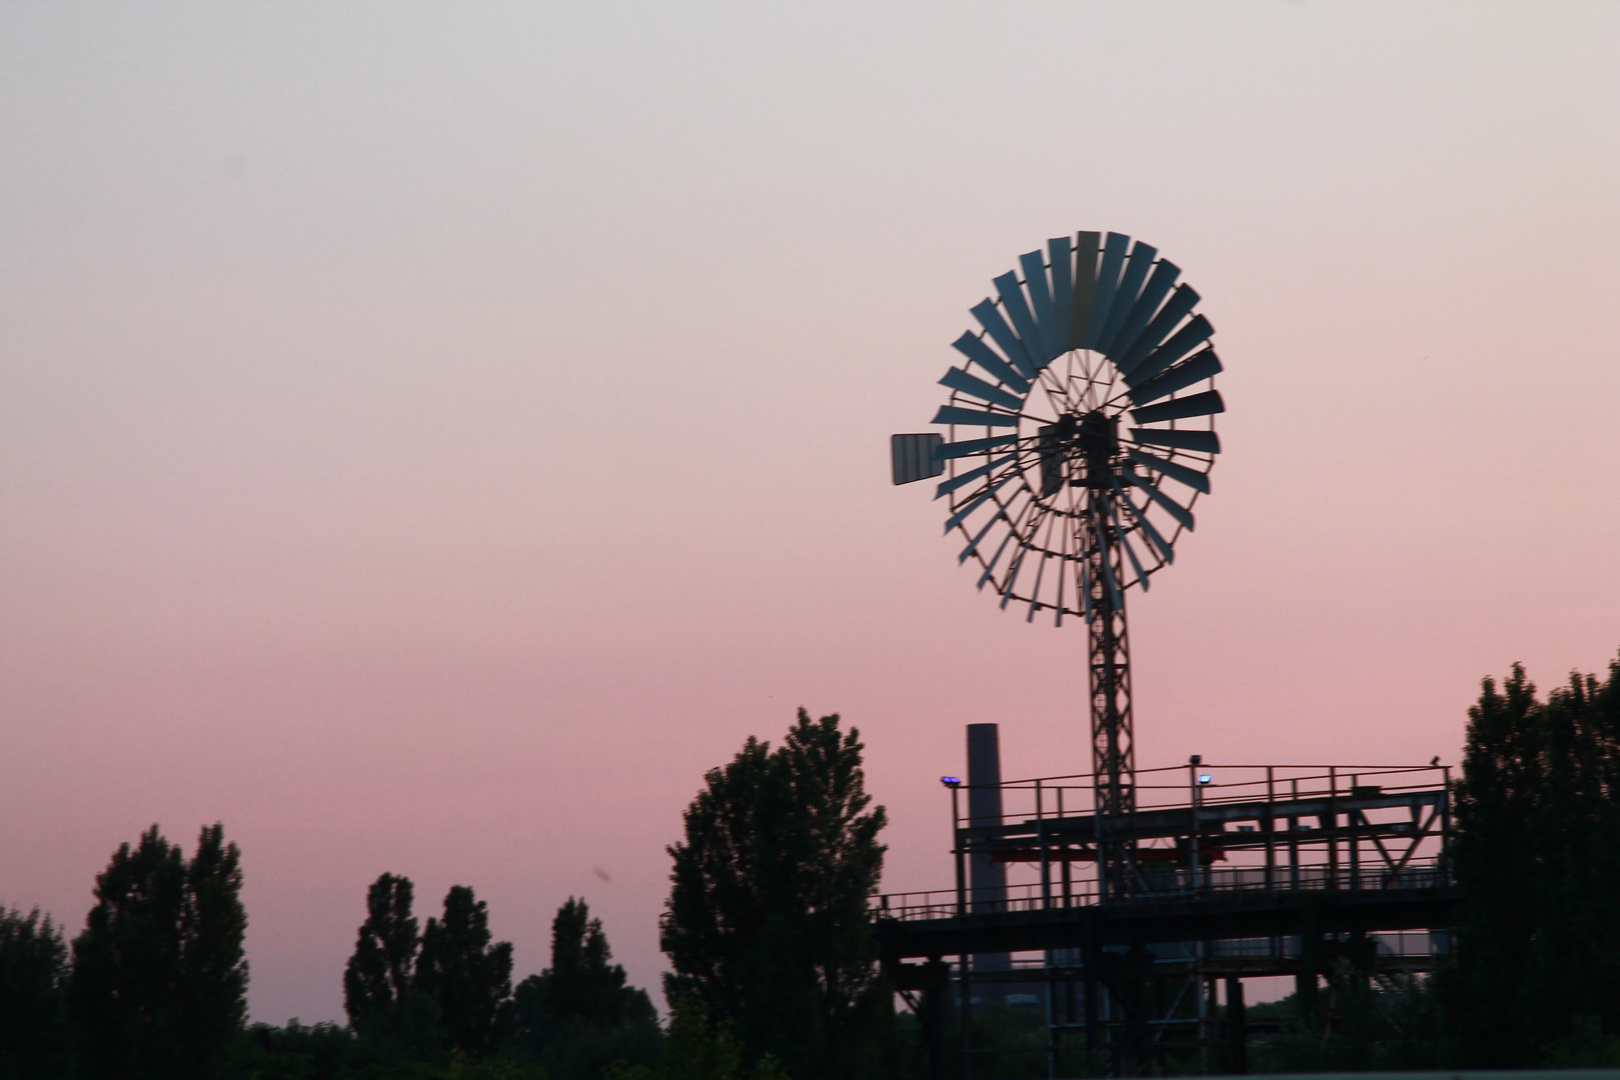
(469,978)
(581,984)
(379,979)
(159,980)
(766,924)
(33,978)
(578,1015)
(1537,854)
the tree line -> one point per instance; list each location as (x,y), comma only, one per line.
(774,972)
(155,987)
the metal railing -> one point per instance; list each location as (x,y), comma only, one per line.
(1168,787)
(1165,883)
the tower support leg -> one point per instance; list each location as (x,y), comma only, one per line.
(1113,752)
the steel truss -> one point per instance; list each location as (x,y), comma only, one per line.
(1113,749)
(1275,871)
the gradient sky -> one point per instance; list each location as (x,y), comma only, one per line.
(432,435)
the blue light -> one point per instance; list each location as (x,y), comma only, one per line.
(1204,778)
(949,781)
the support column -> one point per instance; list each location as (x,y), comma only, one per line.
(1091,987)
(1310,964)
(987,879)
(1237,1027)
(935,1017)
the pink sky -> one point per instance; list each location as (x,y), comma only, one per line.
(431,436)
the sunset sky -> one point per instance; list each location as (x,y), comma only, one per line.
(432,435)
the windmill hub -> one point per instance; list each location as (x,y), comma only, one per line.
(1098,442)
(1080,449)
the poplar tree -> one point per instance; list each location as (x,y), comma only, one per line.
(578,1015)
(159,983)
(380,976)
(33,980)
(581,985)
(466,975)
(766,924)
(1537,856)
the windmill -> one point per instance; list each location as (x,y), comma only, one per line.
(1079,432)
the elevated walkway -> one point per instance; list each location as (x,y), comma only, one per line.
(1237,872)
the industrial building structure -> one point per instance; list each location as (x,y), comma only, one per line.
(1228,873)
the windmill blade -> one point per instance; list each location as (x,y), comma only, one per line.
(1012,534)
(957,379)
(1113,257)
(1060,333)
(1125,295)
(1012,300)
(1034,594)
(951,414)
(1206,404)
(1130,552)
(994,325)
(1204,365)
(1175,470)
(990,563)
(969,447)
(1166,552)
(961,515)
(1024,548)
(1189,337)
(973,545)
(1180,304)
(948,486)
(1155,540)
(1012,574)
(973,347)
(1204,442)
(1171,507)
(1085,286)
(1040,304)
(1153,293)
